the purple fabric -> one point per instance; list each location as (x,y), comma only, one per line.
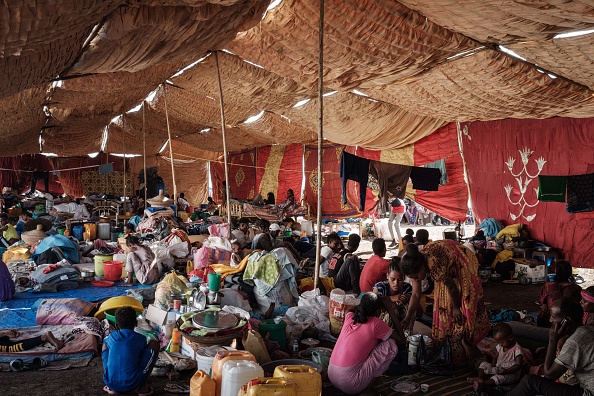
(353,380)
(6,283)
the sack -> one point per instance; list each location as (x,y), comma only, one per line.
(340,303)
(171,284)
(435,361)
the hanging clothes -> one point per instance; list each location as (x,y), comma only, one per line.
(441,165)
(580,193)
(552,188)
(356,169)
(426,179)
(392,178)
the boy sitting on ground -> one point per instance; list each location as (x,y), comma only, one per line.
(509,361)
(128,358)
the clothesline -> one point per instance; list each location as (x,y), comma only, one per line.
(263,167)
(53,170)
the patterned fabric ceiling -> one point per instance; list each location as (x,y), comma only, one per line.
(71,67)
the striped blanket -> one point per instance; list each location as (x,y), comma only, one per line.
(438,385)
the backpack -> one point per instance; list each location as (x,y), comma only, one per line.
(396,203)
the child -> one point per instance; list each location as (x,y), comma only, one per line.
(509,361)
(588,305)
(7,228)
(128,358)
(237,254)
(7,345)
(376,268)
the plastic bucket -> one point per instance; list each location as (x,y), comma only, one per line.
(214,281)
(205,356)
(113,270)
(99,260)
(61,230)
(277,331)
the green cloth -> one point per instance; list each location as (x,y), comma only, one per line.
(552,188)
(266,270)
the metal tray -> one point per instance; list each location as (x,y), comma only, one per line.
(214,320)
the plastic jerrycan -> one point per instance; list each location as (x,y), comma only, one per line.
(223,357)
(237,373)
(271,387)
(307,378)
(201,384)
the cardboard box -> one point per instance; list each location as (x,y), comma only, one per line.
(537,274)
(188,348)
(159,317)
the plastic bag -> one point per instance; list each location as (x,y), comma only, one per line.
(435,361)
(315,300)
(171,284)
(322,359)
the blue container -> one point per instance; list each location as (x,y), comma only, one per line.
(77,232)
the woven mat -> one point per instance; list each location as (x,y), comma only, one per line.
(438,385)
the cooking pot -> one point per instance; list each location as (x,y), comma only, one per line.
(87,275)
(526,244)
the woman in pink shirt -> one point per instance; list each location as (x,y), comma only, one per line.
(366,345)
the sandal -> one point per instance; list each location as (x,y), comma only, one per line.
(17,365)
(37,363)
(177,388)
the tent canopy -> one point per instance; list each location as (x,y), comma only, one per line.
(402,70)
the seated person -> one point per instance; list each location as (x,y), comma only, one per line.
(366,346)
(267,240)
(129,229)
(7,285)
(398,292)
(7,227)
(288,204)
(326,252)
(563,286)
(260,201)
(422,238)
(238,254)
(509,361)
(212,206)
(141,262)
(244,235)
(11,346)
(128,358)
(376,268)
(405,241)
(182,203)
(344,266)
(577,355)
(23,219)
(588,305)
(137,218)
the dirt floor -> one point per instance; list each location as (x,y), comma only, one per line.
(88,380)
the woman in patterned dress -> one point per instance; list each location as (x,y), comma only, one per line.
(458,311)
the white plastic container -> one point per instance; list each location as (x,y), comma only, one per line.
(122,257)
(205,356)
(237,373)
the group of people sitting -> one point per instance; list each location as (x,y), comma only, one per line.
(389,305)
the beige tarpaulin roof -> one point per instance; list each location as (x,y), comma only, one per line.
(420,63)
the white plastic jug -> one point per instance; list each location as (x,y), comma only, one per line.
(237,373)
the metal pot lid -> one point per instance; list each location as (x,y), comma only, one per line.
(214,320)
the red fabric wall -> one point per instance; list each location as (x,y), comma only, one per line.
(290,174)
(567,146)
(451,200)
(242,175)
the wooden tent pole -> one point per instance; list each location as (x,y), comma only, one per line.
(223,129)
(320,143)
(124,153)
(170,149)
(144,153)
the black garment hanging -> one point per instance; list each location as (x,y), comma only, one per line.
(426,179)
(392,178)
(356,169)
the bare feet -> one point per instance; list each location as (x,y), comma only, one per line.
(477,383)
(49,337)
(127,284)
